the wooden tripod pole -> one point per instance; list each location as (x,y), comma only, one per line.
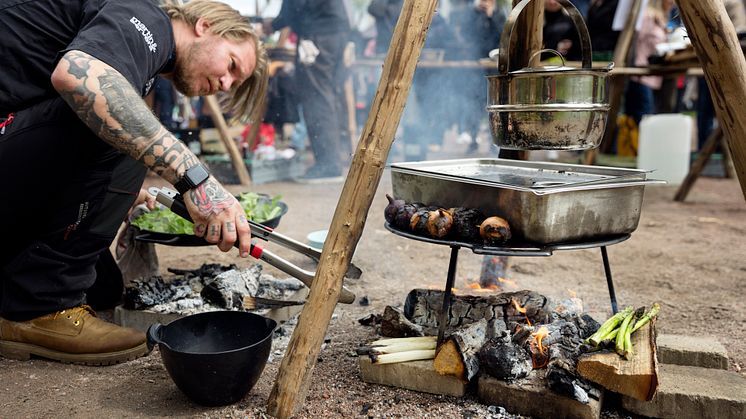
(293,377)
(230,145)
(715,41)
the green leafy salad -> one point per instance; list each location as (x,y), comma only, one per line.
(258,208)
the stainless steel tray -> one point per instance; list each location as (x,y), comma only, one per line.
(543,202)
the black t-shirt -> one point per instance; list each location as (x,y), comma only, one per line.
(134,37)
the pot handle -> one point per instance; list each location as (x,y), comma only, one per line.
(503,64)
(553,51)
(153,336)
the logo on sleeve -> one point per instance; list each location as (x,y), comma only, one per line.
(152,46)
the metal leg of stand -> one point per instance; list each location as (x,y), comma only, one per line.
(609,281)
(444,316)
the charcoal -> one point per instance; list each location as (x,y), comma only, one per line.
(206,272)
(370,320)
(144,293)
(570,385)
(228,289)
(503,359)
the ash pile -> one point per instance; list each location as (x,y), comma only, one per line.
(211,287)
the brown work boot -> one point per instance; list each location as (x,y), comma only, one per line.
(73,336)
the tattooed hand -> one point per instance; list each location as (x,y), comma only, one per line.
(218,217)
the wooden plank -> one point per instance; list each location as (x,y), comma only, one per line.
(368,163)
(230,145)
(715,41)
(636,377)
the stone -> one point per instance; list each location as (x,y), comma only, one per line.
(413,375)
(686,392)
(705,352)
(533,398)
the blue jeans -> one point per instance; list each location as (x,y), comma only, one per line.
(638,101)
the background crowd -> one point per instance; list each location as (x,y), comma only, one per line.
(318,98)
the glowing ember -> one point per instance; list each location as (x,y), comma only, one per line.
(521,310)
(539,353)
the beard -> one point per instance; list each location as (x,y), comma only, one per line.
(188,65)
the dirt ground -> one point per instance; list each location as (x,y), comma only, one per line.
(688,256)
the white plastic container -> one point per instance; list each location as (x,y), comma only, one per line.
(664,145)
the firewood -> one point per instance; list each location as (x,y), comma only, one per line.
(636,377)
(394,324)
(458,355)
(422,307)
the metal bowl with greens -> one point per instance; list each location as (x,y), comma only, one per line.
(165,227)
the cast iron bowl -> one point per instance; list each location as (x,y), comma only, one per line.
(216,357)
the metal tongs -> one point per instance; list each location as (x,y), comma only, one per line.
(175,202)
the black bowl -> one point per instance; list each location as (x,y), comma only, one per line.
(216,357)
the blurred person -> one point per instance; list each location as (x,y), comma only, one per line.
(75,129)
(386,13)
(477,27)
(599,21)
(557,30)
(323,30)
(641,90)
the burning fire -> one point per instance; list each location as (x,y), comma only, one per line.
(489,288)
(539,353)
(572,293)
(521,310)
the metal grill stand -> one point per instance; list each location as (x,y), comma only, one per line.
(514,249)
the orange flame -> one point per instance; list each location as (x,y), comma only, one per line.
(572,293)
(521,310)
(489,288)
(539,355)
(508,282)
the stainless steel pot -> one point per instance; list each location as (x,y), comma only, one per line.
(548,108)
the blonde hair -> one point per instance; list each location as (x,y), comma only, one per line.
(247,99)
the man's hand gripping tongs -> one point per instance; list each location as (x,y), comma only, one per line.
(175,202)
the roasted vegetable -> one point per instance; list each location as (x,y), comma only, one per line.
(418,222)
(392,208)
(404,216)
(466,223)
(494,230)
(439,223)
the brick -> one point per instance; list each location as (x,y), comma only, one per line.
(686,392)
(705,352)
(534,398)
(413,375)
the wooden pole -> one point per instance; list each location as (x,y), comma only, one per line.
(715,41)
(230,145)
(527,38)
(293,377)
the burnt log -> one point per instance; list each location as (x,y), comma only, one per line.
(501,358)
(458,355)
(395,325)
(422,307)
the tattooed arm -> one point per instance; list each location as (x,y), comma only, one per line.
(111,108)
